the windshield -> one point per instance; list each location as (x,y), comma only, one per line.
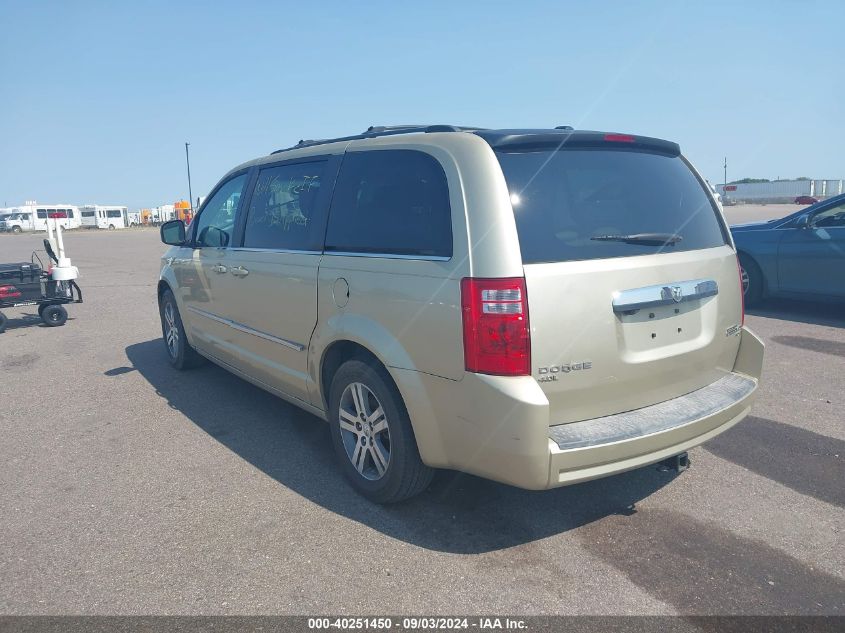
(593,204)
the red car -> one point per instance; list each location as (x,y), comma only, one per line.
(806,200)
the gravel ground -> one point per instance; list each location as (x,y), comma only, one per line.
(130,488)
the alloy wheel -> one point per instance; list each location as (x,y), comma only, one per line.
(364,430)
(171,330)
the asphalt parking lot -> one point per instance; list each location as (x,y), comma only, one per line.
(130,488)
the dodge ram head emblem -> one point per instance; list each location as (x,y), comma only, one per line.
(675,293)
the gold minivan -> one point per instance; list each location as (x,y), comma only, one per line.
(539,307)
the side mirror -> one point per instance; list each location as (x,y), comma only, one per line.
(803,222)
(173,233)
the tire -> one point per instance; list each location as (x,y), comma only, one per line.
(54,316)
(753,281)
(16,229)
(111,227)
(375,440)
(4,320)
(180,354)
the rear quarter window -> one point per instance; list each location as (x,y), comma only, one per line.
(392,202)
(564,200)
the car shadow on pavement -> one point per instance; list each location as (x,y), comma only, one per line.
(811,312)
(807,462)
(458,513)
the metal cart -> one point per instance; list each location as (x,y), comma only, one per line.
(28,284)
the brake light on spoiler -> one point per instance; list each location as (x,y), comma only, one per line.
(497,337)
(619,138)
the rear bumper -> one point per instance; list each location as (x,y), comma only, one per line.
(499,428)
(603,446)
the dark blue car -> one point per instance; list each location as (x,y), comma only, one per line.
(801,256)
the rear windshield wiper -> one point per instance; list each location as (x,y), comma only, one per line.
(641,238)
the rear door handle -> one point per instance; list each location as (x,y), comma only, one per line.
(240,271)
(219,268)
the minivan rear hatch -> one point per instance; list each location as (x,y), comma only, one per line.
(633,290)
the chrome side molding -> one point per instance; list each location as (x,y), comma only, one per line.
(240,327)
(663,295)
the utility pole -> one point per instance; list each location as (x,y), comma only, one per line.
(191,193)
(726,170)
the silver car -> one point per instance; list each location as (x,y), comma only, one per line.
(538,307)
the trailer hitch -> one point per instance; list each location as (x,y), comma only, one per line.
(678,463)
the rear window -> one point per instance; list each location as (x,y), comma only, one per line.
(393,202)
(580,204)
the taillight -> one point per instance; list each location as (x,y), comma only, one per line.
(620,138)
(496,335)
(741,289)
(9,292)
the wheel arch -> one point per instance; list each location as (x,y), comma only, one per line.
(743,253)
(166,283)
(163,285)
(337,353)
(408,385)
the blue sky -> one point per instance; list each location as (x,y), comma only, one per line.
(98,98)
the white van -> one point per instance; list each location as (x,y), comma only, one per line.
(96,216)
(16,222)
(33,217)
(67,215)
(513,304)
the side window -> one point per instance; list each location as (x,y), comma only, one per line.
(283,211)
(113,213)
(831,218)
(393,202)
(42,214)
(216,223)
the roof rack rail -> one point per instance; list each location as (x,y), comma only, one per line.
(381,130)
